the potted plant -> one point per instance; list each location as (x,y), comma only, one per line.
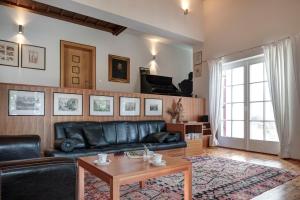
(174,114)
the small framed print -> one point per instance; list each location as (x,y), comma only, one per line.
(198,70)
(101,105)
(9,53)
(130,106)
(67,104)
(153,107)
(26,103)
(197,58)
(33,57)
(75,59)
(76,69)
(75,80)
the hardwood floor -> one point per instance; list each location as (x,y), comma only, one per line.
(287,191)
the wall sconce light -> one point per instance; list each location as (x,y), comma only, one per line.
(21,29)
(186,11)
(154,57)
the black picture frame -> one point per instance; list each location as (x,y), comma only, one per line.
(22,56)
(18,52)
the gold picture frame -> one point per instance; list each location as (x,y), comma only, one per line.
(119,69)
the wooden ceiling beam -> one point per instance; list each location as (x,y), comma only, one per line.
(64,15)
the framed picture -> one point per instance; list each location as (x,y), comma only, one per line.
(119,69)
(130,106)
(9,53)
(33,57)
(26,103)
(101,105)
(67,104)
(197,58)
(153,107)
(198,70)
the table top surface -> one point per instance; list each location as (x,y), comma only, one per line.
(121,165)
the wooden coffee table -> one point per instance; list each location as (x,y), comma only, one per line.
(123,170)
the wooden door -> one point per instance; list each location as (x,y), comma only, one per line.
(78,63)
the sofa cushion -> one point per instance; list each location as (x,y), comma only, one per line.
(172,137)
(109,131)
(77,135)
(156,137)
(65,145)
(95,137)
(121,130)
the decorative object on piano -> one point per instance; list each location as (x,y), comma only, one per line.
(26,103)
(119,69)
(186,86)
(33,57)
(130,106)
(197,59)
(153,107)
(101,105)
(9,53)
(154,84)
(67,104)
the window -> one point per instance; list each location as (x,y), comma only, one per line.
(247,110)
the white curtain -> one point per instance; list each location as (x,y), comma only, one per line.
(280,68)
(215,88)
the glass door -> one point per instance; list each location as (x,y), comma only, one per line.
(247,119)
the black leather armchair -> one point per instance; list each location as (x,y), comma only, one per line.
(24,175)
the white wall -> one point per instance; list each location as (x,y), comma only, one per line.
(159,17)
(234,25)
(47,32)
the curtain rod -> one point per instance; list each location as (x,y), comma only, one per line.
(240,51)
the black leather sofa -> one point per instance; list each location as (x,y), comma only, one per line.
(25,175)
(112,137)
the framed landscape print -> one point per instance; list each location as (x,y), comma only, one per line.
(67,104)
(119,69)
(153,107)
(130,106)
(33,57)
(101,105)
(26,103)
(9,53)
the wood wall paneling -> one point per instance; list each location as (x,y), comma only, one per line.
(43,125)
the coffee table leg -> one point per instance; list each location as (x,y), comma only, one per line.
(80,183)
(114,190)
(142,184)
(188,184)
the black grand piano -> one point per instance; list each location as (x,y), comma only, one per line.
(154,84)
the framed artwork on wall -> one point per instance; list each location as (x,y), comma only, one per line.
(67,104)
(101,105)
(119,69)
(197,62)
(9,53)
(153,107)
(130,106)
(33,57)
(26,103)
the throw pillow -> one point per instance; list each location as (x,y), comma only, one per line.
(77,135)
(173,137)
(65,145)
(95,137)
(158,137)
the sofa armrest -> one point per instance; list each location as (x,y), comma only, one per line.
(36,179)
(19,147)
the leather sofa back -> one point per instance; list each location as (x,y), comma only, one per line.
(38,179)
(19,147)
(116,132)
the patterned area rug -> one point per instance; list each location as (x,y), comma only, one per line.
(213,178)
